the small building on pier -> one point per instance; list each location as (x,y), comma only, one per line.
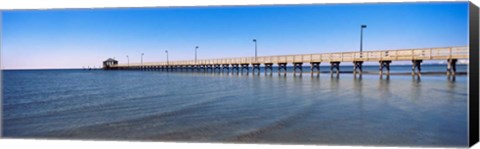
(109,63)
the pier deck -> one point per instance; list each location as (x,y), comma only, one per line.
(384,57)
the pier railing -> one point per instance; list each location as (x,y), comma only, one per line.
(382,55)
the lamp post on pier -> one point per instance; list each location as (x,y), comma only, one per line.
(196,47)
(141,60)
(128,61)
(255,40)
(166,51)
(361,39)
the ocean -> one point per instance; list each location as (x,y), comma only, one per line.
(344,109)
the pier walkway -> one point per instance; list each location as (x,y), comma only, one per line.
(241,64)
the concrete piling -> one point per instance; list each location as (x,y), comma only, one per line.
(282,66)
(245,66)
(336,66)
(386,65)
(268,67)
(315,67)
(416,67)
(451,66)
(297,67)
(357,65)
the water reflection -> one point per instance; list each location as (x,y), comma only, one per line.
(269,74)
(451,78)
(334,84)
(359,76)
(416,88)
(358,85)
(451,83)
(297,76)
(384,87)
(386,76)
(316,84)
(192,107)
(416,78)
(335,76)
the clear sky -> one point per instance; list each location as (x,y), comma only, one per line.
(73,38)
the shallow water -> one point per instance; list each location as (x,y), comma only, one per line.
(207,107)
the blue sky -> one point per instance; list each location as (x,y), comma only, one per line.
(73,38)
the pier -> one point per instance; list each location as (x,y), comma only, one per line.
(253,64)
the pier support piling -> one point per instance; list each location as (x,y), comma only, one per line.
(217,67)
(256,66)
(315,67)
(268,66)
(245,66)
(416,64)
(357,65)
(451,66)
(282,66)
(227,67)
(386,65)
(297,66)
(235,68)
(209,67)
(335,65)
(192,68)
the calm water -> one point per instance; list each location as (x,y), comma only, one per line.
(198,107)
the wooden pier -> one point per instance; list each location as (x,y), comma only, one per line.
(244,64)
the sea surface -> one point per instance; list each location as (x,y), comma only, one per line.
(344,109)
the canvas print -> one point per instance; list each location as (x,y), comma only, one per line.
(383,74)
